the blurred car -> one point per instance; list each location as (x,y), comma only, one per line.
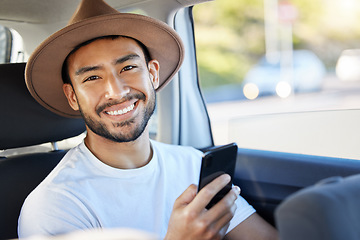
(305,73)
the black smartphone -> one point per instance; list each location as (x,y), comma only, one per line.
(215,162)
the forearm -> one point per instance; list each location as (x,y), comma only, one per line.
(253,228)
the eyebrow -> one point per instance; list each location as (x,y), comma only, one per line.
(126,58)
(117,61)
(86,69)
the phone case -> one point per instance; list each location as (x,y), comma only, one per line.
(217,161)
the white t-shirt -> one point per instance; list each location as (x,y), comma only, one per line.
(82,192)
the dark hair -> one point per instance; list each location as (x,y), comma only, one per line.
(64,71)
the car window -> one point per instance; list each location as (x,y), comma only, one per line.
(264,65)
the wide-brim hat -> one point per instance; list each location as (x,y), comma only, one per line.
(92,19)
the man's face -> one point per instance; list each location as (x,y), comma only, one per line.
(113,88)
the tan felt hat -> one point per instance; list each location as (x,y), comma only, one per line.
(92,19)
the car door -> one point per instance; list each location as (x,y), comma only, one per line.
(284,145)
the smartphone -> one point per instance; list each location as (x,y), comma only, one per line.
(215,162)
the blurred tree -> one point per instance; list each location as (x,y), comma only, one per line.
(230,34)
(230,38)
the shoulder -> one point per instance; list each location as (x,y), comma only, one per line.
(53,207)
(71,168)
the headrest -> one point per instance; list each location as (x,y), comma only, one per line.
(23,121)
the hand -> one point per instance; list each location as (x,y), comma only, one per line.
(191,220)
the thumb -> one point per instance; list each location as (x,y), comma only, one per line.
(186,197)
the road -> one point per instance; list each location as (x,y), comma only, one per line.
(323,123)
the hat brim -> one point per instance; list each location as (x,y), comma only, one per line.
(43,70)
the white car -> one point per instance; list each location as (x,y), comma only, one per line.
(304,73)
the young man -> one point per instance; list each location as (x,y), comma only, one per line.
(108,66)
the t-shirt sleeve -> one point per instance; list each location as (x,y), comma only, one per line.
(51,213)
(243,211)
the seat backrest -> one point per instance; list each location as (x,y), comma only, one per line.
(19,175)
(24,122)
(329,210)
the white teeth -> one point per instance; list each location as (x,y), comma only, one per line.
(123,111)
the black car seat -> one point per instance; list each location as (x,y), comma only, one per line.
(328,210)
(24,122)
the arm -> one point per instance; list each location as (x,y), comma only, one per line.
(253,228)
(189,218)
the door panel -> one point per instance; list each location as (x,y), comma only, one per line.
(266,178)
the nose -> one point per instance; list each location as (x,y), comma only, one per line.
(116,88)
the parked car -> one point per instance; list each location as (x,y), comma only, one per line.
(304,73)
(33,139)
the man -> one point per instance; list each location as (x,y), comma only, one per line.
(108,66)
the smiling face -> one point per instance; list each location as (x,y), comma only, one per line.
(113,87)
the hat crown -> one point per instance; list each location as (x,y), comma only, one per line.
(91,8)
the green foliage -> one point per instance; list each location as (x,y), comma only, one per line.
(228,39)
(230,34)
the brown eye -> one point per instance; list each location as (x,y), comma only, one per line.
(91,78)
(127,68)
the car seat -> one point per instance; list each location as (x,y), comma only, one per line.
(23,123)
(328,210)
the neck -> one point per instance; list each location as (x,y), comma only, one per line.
(127,155)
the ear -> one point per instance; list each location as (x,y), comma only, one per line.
(71,96)
(154,68)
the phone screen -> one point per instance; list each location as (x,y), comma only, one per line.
(217,161)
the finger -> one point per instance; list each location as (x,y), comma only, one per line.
(224,210)
(226,202)
(217,229)
(223,230)
(205,195)
(186,197)
(225,219)
(238,190)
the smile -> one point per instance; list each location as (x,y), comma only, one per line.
(121,111)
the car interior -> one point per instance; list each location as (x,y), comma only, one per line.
(281,185)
